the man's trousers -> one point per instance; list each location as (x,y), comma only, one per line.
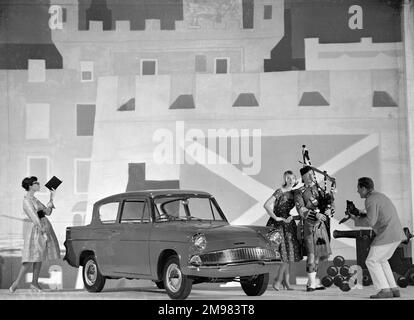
(378,266)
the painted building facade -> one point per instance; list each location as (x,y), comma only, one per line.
(125,84)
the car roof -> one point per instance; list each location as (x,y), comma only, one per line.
(152,194)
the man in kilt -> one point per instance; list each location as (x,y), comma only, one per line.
(314,234)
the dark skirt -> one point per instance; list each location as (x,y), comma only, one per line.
(290,250)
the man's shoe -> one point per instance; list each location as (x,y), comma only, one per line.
(310,289)
(396,292)
(382,294)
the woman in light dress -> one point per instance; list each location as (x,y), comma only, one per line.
(40,242)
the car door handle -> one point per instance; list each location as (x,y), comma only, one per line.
(115,232)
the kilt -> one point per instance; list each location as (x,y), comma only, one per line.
(316,240)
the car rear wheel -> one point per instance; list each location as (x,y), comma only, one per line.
(177,285)
(93,280)
(256,285)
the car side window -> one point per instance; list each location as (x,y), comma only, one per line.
(108,212)
(134,211)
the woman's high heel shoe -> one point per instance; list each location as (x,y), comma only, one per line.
(11,290)
(275,287)
(287,287)
(35,289)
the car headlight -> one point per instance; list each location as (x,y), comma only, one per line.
(275,237)
(196,261)
(199,241)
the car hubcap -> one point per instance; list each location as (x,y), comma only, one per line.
(174,277)
(91,272)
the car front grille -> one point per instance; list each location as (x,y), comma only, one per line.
(238,255)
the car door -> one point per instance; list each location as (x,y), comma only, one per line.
(106,236)
(132,249)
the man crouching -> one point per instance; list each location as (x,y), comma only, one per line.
(382,216)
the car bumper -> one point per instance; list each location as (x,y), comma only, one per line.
(231,270)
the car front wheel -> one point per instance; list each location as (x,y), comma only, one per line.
(256,285)
(177,285)
(93,280)
(159,284)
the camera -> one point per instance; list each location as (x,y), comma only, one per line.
(351,210)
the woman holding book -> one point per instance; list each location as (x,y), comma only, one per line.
(40,242)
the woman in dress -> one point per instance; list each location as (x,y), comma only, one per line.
(40,242)
(278,207)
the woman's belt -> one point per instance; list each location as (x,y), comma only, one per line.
(41,214)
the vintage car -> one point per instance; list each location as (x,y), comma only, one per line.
(176,238)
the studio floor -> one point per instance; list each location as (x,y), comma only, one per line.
(146,290)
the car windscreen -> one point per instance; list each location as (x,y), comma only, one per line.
(186,208)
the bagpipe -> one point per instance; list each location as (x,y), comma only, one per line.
(325,200)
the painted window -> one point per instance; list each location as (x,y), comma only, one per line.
(267,12)
(85,119)
(183,101)
(86,71)
(82,170)
(37,121)
(108,212)
(246,100)
(248,14)
(38,166)
(200,63)
(149,67)
(222,65)
(36,70)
